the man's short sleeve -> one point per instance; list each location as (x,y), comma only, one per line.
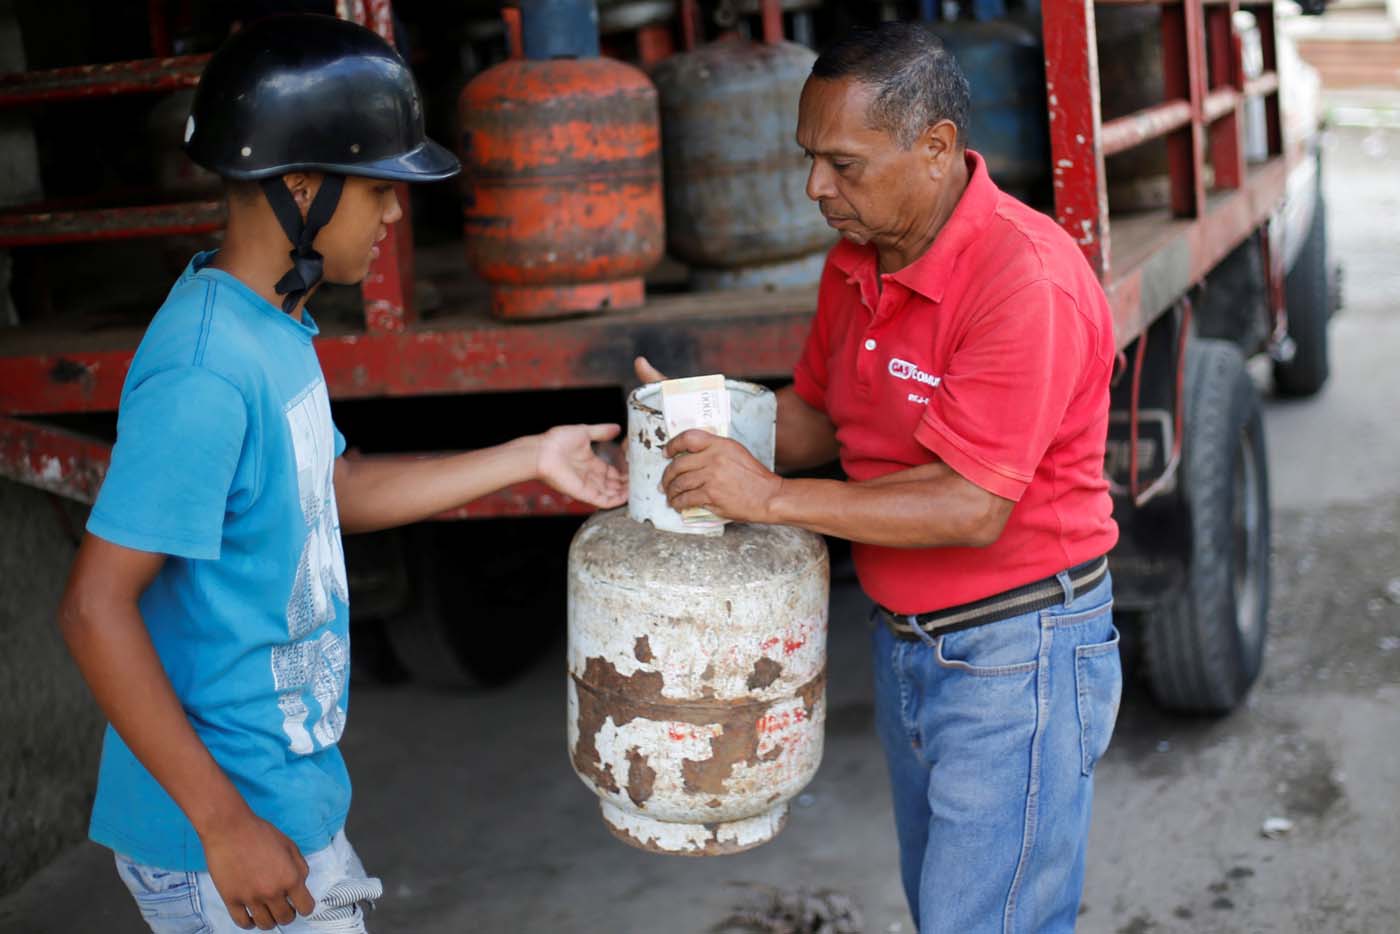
(180,435)
(809,377)
(1005,391)
(812,374)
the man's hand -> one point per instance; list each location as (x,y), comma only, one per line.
(719,474)
(567,463)
(260,874)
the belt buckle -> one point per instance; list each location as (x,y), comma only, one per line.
(896,620)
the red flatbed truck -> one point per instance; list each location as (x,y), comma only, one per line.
(1224,273)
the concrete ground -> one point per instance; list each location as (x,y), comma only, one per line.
(466,805)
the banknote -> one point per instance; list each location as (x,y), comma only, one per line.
(696,402)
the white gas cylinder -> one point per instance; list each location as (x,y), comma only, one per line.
(697,663)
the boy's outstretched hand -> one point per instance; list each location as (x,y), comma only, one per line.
(566,461)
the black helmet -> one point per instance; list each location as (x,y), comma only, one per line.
(309,92)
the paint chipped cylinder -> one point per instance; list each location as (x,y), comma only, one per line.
(561,167)
(697,670)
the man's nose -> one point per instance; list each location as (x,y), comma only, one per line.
(819,181)
(395,212)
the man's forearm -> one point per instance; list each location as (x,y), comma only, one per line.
(922,508)
(114,652)
(380,493)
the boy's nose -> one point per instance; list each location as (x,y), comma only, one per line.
(395,212)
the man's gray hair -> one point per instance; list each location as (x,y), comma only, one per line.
(917,81)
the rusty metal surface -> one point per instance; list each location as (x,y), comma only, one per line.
(562,162)
(735,183)
(30,229)
(73,466)
(1183,77)
(1182,251)
(654,44)
(1129,45)
(1167,256)
(1136,129)
(697,676)
(1072,89)
(84,81)
(1269,77)
(521,302)
(753,334)
(52,459)
(1223,106)
(697,665)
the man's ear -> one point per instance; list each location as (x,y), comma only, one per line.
(940,146)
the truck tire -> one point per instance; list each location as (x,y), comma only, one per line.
(1308,298)
(487,602)
(1204,644)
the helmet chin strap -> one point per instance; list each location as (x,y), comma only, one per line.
(306,262)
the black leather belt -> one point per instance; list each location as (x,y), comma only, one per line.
(1028,599)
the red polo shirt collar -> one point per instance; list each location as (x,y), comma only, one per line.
(928,275)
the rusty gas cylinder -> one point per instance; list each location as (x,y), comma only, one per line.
(561,159)
(697,663)
(737,210)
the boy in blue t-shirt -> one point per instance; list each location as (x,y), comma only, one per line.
(207,607)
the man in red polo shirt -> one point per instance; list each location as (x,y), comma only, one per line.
(959,366)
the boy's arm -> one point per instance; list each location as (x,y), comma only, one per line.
(256,869)
(380,493)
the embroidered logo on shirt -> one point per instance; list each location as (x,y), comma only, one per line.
(903,369)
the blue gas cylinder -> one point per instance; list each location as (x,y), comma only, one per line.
(1005,66)
(736,205)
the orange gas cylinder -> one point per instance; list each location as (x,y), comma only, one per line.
(561,157)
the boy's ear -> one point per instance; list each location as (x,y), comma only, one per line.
(303,187)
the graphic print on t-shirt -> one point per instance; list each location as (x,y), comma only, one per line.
(312,668)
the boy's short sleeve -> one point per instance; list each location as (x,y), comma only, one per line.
(180,435)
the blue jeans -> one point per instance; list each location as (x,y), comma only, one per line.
(991,735)
(188,902)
